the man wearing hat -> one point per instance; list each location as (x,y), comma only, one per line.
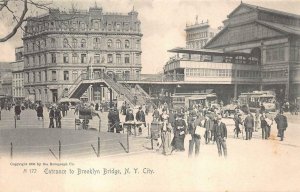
(193,130)
(140,116)
(51,117)
(220,132)
(249,125)
(209,126)
(282,124)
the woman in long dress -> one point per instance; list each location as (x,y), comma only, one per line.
(179,134)
(166,133)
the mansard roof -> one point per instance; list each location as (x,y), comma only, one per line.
(254,7)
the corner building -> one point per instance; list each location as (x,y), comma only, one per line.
(59,46)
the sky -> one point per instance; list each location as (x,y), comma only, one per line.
(162,22)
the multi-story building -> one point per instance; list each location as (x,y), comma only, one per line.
(258,48)
(59,46)
(198,34)
(5,79)
(17,68)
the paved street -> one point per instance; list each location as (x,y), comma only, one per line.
(250,164)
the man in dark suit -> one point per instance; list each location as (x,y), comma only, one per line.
(282,124)
(249,125)
(220,133)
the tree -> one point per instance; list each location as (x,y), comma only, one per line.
(14,12)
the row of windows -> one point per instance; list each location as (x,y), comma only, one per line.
(40,76)
(274,74)
(221,73)
(37,76)
(209,72)
(18,92)
(197,44)
(199,35)
(79,58)
(82,43)
(18,83)
(230,73)
(81,25)
(17,75)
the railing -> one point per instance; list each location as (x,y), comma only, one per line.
(72,88)
(119,88)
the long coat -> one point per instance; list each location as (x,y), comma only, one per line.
(178,140)
(281,121)
(220,130)
(39,111)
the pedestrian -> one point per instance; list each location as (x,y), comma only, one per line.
(97,107)
(51,117)
(66,106)
(220,132)
(63,110)
(237,122)
(195,135)
(140,116)
(257,116)
(114,120)
(209,126)
(166,133)
(18,111)
(249,125)
(282,124)
(57,116)
(129,117)
(155,114)
(263,125)
(39,112)
(269,121)
(179,134)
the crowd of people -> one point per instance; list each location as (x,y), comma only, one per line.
(175,126)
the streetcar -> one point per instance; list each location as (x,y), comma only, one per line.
(254,100)
(188,100)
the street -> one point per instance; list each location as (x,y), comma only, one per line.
(251,165)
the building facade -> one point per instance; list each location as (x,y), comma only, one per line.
(17,68)
(5,80)
(257,49)
(271,36)
(198,34)
(59,46)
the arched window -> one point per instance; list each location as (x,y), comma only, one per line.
(118,44)
(127,44)
(109,43)
(74,58)
(65,43)
(74,43)
(83,43)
